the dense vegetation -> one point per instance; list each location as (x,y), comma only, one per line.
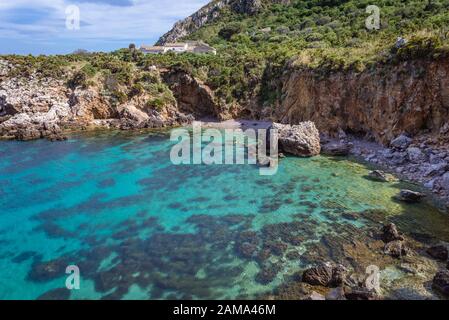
(327,35)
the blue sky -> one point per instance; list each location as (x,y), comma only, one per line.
(39,26)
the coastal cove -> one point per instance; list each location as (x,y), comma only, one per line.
(139,227)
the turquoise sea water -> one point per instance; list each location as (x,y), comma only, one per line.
(139,227)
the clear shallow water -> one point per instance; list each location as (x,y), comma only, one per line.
(139,227)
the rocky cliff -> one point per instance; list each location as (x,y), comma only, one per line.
(210,13)
(381,103)
(32,107)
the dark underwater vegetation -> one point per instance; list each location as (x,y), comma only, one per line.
(139,227)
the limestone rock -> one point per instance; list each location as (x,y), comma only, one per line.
(300,140)
(210,13)
(401,142)
(436,169)
(320,275)
(390,233)
(87,105)
(249,7)
(130,112)
(415,155)
(193,95)
(326,275)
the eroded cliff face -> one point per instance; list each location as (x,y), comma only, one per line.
(32,107)
(193,96)
(411,97)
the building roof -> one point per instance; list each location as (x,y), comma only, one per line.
(176,44)
(152,48)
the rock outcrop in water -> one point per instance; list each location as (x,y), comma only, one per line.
(326,275)
(301,140)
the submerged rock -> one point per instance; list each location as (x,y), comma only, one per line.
(49,270)
(300,140)
(391,233)
(410,196)
(439,252)
(380,176)
(56,294)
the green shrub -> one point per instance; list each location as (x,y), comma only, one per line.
(136,89)
(79,79)
(418,47)
(229,30)
(156,103)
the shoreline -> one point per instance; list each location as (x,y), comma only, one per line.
(429,175)
(427,169)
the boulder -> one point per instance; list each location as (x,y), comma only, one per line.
(401,142)
(438,252)
(436,169)
(301,140)
(410,196)
(339,273)
(441,282)
(380,176)
(415,155)
(396,249)
(318,276)
(336,149)
(56,294)
(399,158)
(390,233)
(326,275)
(130,112)
(360,293)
